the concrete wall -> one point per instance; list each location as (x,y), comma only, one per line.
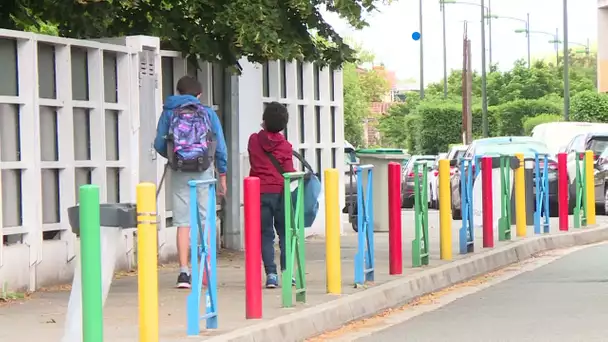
(602,46)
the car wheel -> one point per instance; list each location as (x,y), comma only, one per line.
(456,213)
(408,203)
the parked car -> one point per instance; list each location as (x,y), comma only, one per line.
(596,142)
(433,181)
(601,181)
(453,156)
(555,134)
(407,180)
(350,185)
(503,146)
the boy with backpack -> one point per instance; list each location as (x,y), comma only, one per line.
(270,155)
(190,136)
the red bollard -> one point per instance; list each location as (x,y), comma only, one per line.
(394,219)
(487,206)
(562,190)
(253,248)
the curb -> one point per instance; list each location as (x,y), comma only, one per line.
(332,315)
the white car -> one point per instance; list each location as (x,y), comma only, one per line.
(557,135)
(433,182)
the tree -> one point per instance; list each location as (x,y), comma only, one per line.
(356,107)
(213,30)
(361,88)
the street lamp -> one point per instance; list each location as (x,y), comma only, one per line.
(485,13)
(587,47)
(555,40)
(527,29)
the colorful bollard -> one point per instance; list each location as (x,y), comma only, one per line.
(519,183)
(253,248)
(295,247)
(364,258)
(90,254)
(333,267)
(486,193)
(203,258)
(562,190)
(147,262)
(394,219)
(590,187)
(445,211)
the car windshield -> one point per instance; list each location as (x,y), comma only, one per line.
(458,154)
(598,144)
(528,148)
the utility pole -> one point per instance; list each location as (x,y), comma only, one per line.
(566,65)
(421,53)
(528,37)
(484,97)
(490,32)
(467,122)
(445,58)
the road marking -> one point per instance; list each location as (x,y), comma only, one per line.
(433,301)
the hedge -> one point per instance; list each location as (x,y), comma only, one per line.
(440,126)
(589,106)
(510,115)
(478,121)
(412,132)
(530,123)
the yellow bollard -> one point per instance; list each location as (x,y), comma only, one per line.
(590,190)
(445,211)
(520,197)
(332,232)
(147,262)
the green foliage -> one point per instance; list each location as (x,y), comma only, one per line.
(511,114)
(478,120)
(375,84)
(214,30)
(440,126)
(411,133)
(530,123)
(393,125)
(589,106)
(361,88)
(356,107)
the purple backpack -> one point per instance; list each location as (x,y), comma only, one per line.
(193,140)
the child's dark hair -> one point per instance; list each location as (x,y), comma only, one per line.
(188,85)
(275,117)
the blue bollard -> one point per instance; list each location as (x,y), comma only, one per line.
(364,259)
(541,196)
(203,239)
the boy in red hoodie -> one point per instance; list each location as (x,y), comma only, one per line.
(270,154)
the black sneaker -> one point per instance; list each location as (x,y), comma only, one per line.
(183,281)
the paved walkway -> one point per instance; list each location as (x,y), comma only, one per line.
(563,301)
(43,314)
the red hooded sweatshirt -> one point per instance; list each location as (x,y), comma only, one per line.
(271,180)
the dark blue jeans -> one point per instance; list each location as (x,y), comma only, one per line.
(273,219)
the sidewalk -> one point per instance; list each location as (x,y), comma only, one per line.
(43,314)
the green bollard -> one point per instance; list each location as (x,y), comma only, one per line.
(420,244)
(90,263)
(581,199)
(294,241)
(504,222)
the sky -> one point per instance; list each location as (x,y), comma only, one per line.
(389,35)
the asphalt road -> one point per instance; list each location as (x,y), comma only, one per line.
(566,300)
